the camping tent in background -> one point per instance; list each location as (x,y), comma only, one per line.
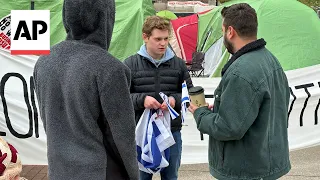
(209,33)
(167,14)
(130,15)
(290,28)
(185,35)
(186,32)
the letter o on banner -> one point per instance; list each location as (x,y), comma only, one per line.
(5,107)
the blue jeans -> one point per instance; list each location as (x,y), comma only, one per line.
(170,172)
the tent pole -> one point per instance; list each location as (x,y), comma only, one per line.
(32,5)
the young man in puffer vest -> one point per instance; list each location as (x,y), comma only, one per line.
(154,69)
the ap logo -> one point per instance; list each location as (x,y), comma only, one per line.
(30,32)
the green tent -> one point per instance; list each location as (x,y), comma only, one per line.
(291,29)
(126,37)
(127,33)
(167,14)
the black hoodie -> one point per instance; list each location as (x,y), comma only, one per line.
(84,99)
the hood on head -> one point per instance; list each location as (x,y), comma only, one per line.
(90,21)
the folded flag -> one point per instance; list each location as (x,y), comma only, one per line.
(153,138)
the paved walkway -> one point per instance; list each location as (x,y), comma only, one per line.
(34,172)
(305,166)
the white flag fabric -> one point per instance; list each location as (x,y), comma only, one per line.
(165,98)
(153,138)
(184,100)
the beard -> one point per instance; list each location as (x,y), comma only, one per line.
(228,45)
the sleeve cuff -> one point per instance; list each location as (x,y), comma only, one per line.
(143,97)
(199,111)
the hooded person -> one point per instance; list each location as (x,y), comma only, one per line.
(84,99)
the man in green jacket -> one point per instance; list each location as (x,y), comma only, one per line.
(248,124)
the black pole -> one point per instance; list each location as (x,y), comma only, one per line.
(32,5)
(201,137)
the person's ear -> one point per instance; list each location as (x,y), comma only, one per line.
(231,32)
(145,37)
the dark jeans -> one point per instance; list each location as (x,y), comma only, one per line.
(170,172)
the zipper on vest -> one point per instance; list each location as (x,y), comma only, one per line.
(157,83)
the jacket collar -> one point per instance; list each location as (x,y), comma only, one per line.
(166,63)
(169,54)
(258,44)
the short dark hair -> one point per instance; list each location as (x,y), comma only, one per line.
(242,17)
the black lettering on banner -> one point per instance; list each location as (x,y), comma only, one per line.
(305,87)
(5,26)
(35,111)
(9,32)
(316,111)
(291,106)
(5,107)
(3,21)
(2,97)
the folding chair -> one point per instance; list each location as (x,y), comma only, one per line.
(196,68)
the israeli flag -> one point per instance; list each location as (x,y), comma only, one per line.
(153,138)
(173,113)
(184,100)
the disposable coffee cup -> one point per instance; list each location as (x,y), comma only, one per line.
(197,96)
